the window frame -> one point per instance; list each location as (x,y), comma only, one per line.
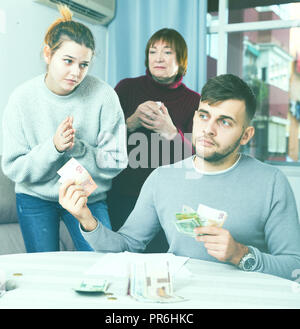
(223,28)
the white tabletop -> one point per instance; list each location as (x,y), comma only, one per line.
(48,278)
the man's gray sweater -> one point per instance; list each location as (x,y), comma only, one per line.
(260,204)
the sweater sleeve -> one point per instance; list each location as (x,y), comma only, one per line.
(138,230)
(20,162)
(109,157)
(282,233)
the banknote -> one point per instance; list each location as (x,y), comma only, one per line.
(91,285)
(158,280)
(188,220)
(160,104)
(2,282)
(74,170)
(210,216)
(187,226)
(152,283)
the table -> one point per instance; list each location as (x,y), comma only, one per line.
(47,280)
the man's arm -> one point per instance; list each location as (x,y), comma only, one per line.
(282,233)
(282,236)
(139,229)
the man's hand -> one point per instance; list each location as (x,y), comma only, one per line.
(220,244)
(73,198)
(153,117)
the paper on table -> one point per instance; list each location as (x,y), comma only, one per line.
(117,264)
(2,282)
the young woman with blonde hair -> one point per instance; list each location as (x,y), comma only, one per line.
(52,118)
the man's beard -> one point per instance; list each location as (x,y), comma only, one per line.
(219,156)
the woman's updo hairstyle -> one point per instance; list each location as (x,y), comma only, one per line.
(65,29)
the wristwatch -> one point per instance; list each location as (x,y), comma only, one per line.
(248,261)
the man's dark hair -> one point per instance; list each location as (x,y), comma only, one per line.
(229,86)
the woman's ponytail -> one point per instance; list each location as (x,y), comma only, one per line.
(64,28)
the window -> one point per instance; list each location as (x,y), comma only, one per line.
(263,48)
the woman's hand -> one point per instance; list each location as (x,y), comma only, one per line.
(134,121)
(154,117)
(65,135)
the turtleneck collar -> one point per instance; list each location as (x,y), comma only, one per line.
(174,85)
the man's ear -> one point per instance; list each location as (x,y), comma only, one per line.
(47,54)
(248,134)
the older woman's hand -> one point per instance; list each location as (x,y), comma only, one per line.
(154,117)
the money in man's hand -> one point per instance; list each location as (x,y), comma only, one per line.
(74,170)
(188,220)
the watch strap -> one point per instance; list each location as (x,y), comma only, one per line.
(249,256)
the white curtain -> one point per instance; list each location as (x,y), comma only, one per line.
(136,21)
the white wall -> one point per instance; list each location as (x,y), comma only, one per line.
(21,42)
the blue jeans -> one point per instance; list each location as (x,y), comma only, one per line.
(39,222)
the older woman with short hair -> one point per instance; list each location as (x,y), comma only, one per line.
(158,109)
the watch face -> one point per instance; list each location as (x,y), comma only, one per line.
(249,263)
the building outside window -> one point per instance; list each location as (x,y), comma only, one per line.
(268,58)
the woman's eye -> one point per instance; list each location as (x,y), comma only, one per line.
(67,61)
(83,66)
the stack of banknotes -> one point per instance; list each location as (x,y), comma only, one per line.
(91,285)
(149,282)
(189,219)
(2,282)
(74,170)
